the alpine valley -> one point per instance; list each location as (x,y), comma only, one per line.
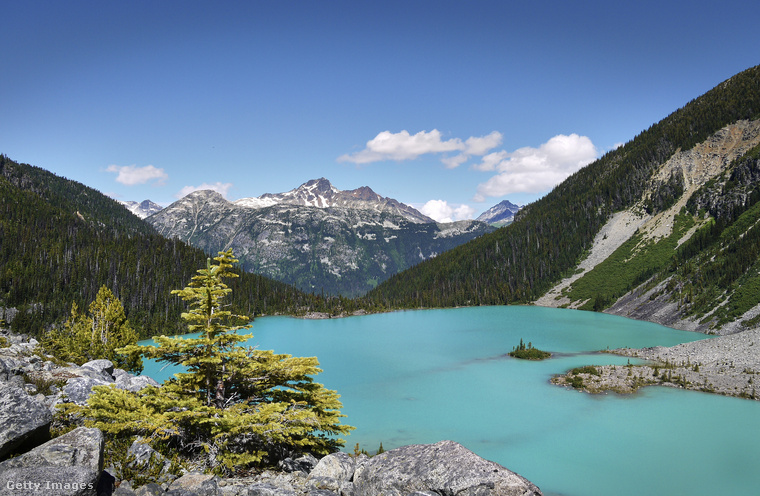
(665,228)
(315,237)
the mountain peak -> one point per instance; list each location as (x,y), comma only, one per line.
(500,213)
(321,193)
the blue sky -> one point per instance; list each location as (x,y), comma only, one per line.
(447,106)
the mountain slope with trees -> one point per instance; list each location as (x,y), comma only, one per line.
(549,238)
(60,241)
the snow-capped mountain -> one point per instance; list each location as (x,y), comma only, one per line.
(315,237)
(500,214)
(142,209)
(321,193)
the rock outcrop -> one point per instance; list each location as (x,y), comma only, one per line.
(442,468)
(67,465)
(23,419)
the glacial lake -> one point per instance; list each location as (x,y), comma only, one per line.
(428,375)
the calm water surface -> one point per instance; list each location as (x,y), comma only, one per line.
(424,376)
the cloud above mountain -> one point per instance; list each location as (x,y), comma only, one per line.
(442,211)
(131,175)
(525,170)
(405,146)
(532,170)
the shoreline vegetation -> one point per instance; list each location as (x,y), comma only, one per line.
(726,365)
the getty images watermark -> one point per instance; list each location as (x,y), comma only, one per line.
(47,485)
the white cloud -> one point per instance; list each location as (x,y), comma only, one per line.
(455,161)
(404,146)
(131,175)
(221,188)
(441,211)
(533,170)
(479,146)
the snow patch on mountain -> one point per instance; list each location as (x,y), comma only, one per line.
(142,209)
(500,213)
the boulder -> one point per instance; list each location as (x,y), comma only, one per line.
(67,465)
(196,483)
(79,389)
(82,447)
(23,420)
(102,366)
(446,468)
(150,489)
(338,466)
(148,460)
(9,367)
(303,464)
(134,383)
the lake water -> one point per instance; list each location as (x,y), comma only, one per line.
(424,376)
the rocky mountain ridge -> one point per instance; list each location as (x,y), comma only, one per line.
(321,193)
(314,237)
(500,214)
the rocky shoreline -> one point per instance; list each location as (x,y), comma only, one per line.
(31,463)
(727,365)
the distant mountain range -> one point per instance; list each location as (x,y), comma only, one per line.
(316,236)
(321,193)
(60,241)
(500,214)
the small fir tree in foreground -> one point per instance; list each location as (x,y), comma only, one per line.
(234,407)
(95,335)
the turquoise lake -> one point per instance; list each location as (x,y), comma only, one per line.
(428,375)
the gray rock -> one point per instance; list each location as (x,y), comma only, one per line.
(134,384)
(339,466)
(23,420)
(82,447)
(443,468)
(119,372)
(79,389)
(146,459)
(150,489)
(267,489)
(124,491)
(303,464)
(48,481)
(9,367)
(197,483)
(102,366)
(336,486)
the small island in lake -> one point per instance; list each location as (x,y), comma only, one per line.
(528,352)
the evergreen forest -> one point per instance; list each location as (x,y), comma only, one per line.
(520,262)
(61,241)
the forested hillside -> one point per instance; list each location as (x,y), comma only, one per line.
(60,241)
(520,262)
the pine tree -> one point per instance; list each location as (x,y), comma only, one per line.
(96,335)
(234,406)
